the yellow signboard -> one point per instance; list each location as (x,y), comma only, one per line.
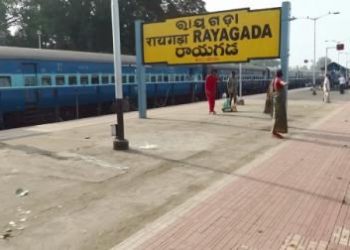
(230,36)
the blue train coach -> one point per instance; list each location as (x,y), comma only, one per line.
(51,84)
(39,86)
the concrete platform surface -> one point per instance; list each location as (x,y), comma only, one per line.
(190,180)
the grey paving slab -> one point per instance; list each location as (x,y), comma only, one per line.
(84,195)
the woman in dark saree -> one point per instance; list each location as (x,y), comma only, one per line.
(280,106)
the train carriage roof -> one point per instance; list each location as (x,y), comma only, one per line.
(60,55)
(336,66)
(235,66)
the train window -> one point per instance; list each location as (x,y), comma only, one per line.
(72,80)
(171,78)
(153,78)
(113,80)
(177,78)
(105,79)
(124,79)
(60,80)
(46,81)
(182,78)
(30,81)
(95,79)
(5,81)
(159,78)
(84,80)
(166,78)
(147,78)
(131,79)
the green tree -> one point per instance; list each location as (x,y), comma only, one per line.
(86,24)
(3,23)
(150,11)
(6,19)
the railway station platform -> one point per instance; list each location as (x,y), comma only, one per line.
(190,180)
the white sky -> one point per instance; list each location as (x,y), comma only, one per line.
(334,27)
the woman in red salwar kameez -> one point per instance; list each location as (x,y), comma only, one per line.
(210,89)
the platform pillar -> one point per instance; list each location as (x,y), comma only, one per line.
(119,143)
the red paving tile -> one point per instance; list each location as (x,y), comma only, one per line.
(293,200)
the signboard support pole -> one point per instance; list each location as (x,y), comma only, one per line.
(285,32)
(140,73)
(240,99)
(119,142)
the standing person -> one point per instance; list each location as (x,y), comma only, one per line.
(232,90)
(210,89)
(326,88)
(341,84)
(280,102)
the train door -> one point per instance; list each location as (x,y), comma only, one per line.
(30,80)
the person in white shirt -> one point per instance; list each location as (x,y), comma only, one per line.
(341,84)
(326,89)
